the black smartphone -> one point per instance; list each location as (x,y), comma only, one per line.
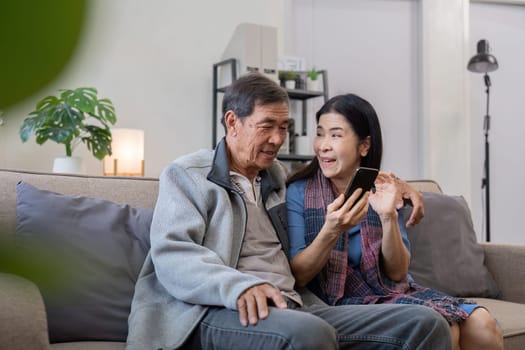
(363,178)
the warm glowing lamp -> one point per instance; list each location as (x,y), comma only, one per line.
(127,158)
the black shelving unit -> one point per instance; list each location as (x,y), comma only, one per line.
(294,94)
(304,96)
(230,63)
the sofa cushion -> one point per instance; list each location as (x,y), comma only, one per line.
(510,316)
(103,243)
(444,248)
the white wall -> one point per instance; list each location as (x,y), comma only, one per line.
(444,114)
(154,60)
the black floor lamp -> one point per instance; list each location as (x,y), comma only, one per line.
(484,62)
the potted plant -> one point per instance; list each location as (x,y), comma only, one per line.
(73,117)
(288,78)
(312,81)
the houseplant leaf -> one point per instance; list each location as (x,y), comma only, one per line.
(106,111)
(47,102)
(28,127)
(85,99)
(99,141)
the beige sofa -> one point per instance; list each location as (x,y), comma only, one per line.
(24,316)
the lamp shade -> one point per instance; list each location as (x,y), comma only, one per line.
(127,158)
(483,61)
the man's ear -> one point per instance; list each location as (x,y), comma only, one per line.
(364,147)
(230,120)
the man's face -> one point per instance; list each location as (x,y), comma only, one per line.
(254,141)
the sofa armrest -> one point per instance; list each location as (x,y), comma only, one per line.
(506,263)
(23,323)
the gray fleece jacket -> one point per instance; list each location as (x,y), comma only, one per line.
(196,235)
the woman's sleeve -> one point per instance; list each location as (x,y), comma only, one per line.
(295,207)
(403,229)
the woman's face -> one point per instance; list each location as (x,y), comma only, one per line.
(338,149)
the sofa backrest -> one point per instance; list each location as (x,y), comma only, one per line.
(135,191)
(445,241)
(426,185)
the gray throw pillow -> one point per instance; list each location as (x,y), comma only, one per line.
(445,252)
(102,244)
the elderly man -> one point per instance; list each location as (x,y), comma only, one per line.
(217,275)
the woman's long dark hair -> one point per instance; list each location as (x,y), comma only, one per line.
(362,118)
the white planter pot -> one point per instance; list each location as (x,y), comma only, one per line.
(289,84)
(68,165)
(313,85)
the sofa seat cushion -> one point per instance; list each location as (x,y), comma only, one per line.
(510,316)
(22,314)
(101,245)
(89,345)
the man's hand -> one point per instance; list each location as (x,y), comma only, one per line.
(409,193)
(253,303)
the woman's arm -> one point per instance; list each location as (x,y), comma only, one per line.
(395,256)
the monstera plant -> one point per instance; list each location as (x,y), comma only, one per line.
(74,117)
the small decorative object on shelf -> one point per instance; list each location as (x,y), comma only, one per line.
(289,77)
(312,81)
(300,81)
(313,74)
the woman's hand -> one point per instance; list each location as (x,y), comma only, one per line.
(341,215)
(386,198)
(407,192)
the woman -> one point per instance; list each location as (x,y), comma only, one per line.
(360,254)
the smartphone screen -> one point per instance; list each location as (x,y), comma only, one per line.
(363,178)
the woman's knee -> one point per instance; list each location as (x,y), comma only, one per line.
(481,331)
